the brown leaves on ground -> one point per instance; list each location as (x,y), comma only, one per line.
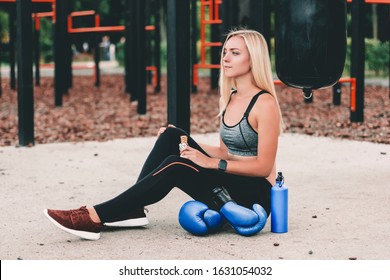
(105,113)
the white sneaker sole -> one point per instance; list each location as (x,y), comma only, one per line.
(139,222)
(79,233)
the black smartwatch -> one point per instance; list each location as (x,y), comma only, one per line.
(222,165)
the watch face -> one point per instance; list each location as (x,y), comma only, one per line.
(222,165)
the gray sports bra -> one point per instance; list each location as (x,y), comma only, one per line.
(241,139)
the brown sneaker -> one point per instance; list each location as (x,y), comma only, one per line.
(77,222)
(137,218)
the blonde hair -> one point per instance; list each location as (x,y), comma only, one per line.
(260,67)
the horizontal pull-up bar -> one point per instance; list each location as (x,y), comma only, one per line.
(119,28)
(82,13)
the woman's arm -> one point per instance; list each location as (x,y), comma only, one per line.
(219,152)
(266,117)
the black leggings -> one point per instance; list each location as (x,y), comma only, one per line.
(164,169)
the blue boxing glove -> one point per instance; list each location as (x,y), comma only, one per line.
(198,219)
(244,221)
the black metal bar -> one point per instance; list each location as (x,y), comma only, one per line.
(157,44)
(358,57)
(179,63)
(226,16)
(267,23)
(127,46)
(130,49)
(215,52)
(337,94)
(256,15)
(140,75)
(148,40)
(60,31)
(194,39)
(25,74)
(37,56)
(12,40)
(69,52)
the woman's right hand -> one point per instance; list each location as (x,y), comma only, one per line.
(163,128)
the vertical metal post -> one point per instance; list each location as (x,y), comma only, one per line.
(215,51)
(179,63)
(256,15)
(357,57)
(37,53)
(157,44)
(12,40)
(60,31)
(337,94)
(267,23)
(69,51)
(127,46)
(226,16)
(25,74)
(194,39)
(96,55)
(148,39)
(140,75)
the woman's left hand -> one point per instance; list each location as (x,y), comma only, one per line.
(197,157)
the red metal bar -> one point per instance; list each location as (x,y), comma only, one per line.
(37,18)
(154,71)
(119,28)
(352,81)
(150,27)
(82,13)
(213,18)
(97,20)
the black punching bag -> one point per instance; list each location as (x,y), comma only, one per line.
(310,42)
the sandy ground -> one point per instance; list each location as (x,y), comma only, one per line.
(339,193)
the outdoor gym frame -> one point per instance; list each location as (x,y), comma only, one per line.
(179,54)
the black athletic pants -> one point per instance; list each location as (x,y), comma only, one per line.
(164,169)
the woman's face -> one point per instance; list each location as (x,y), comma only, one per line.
(236,60)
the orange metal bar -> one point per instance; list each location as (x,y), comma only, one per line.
(37,16)
(97,20)
(352,81)
(213,18)
(43,14)
(206,66)
(119,28)
(150,27)
(96,28)
(154,71)
(82,13)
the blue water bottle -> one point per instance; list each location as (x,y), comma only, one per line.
(279,206)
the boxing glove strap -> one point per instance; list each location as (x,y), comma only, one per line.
(220,196)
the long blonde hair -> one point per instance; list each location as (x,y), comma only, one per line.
(260,68)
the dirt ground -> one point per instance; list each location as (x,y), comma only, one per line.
(105,113)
